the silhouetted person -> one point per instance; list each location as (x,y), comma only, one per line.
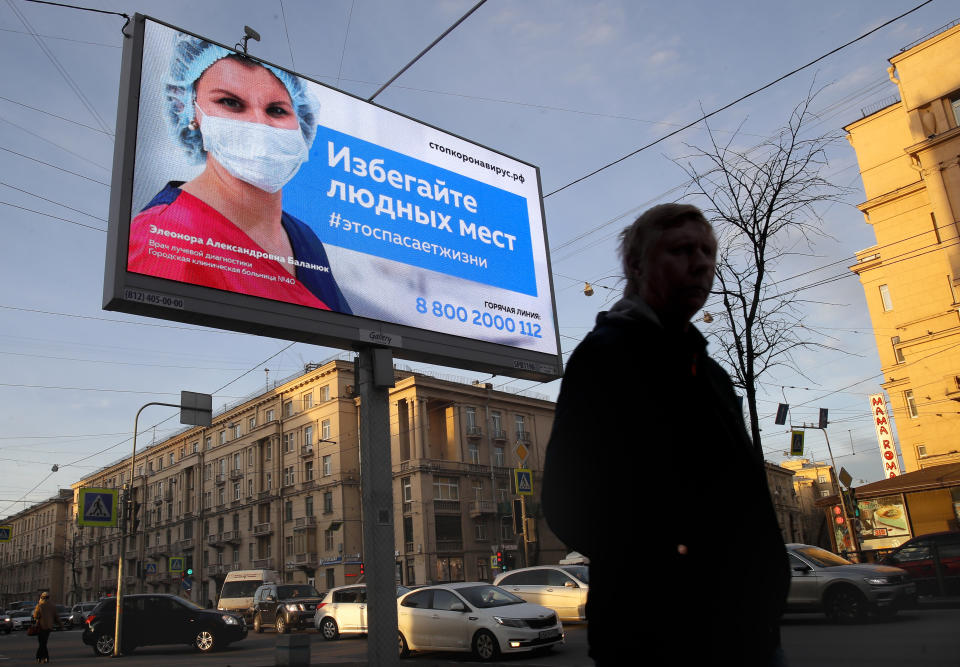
(45,616)
(651,474)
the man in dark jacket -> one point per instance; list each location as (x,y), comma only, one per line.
(651,474)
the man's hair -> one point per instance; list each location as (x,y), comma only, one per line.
(637,239)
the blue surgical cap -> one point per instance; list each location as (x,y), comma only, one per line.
(191,58)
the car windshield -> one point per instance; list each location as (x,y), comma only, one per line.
(240,589)
(486,597)
(190,604)
(581,572)
(284,592)
(822,557)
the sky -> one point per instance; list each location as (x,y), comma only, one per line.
(566,85)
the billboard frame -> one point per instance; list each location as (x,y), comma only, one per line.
(151,296)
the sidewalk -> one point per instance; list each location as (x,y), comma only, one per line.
(938,602)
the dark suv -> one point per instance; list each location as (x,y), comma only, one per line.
(284,606)
(933,562)
(160,619)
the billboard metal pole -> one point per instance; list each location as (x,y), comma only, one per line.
(375,377)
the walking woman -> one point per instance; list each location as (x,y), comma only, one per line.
(45,615)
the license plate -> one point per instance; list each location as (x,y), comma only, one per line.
(547,634)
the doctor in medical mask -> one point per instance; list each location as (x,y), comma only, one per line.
(251,126)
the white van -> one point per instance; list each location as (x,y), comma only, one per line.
(239,587)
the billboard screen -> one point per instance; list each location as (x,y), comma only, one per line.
(251,198)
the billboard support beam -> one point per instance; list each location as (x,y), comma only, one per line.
(376,493)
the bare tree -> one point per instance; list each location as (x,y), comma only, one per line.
(766,204)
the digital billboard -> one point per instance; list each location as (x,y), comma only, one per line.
(251,198)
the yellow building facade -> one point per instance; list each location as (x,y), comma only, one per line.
(908,157)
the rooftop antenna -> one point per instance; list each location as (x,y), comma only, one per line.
(267,371)
(248,34)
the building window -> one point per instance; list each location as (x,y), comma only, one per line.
(955,105)
(268,481)
(288,476)
(268,451)
(222,437)
(446,488)
(325,429)
(195,447)
(270,415)
(328,546)
(911,403)
(897,351)
(236,490)
(288,409)
(288,441)
(327,465)
(308,401)
(921,451)
(251,423)
(308,436)
(521,427)
(473,449)
(288,511)
(496,423)
(328,502)
(822,479)
(471,415)
(406,490)
(308,506)
(885,298)
(324,393)
(308,471)
(498,456)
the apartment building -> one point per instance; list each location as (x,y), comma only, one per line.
(907,151)
(274,483)
(812,480)
(33,560)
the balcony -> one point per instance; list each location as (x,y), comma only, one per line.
(447,506)
(474,431)
(262,529)
(481,507)
(220,479)
(183,545)
(306,561)
(499,434)
(215,569)
(158,550)
(236,474)
(305,522)
(448,546)
(230,537)
(523,436)
(263,564)
(306,450)
(213,538)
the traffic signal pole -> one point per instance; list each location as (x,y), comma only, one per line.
(843,504)
(195,409)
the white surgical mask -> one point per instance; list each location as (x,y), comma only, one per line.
(265,157)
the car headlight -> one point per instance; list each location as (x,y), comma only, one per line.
(878,581)
(230,620)
(511,622)
(294,607)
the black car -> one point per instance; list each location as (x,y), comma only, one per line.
(160,619)
(284,606)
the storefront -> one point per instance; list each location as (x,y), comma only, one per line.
(896,509)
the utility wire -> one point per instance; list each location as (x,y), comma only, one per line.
(736,101)
(430,46)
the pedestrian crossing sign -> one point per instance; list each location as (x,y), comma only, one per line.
(97,507)
(6,533)
(175,565)
(523,479)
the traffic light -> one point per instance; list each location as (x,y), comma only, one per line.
(517,517)
(838,515)
(854,507)
(134,522)
(500,563)
(361,569)
(122,512)
(823,418)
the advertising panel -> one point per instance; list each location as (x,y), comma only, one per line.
(248,195)
(888,448)
(883,522)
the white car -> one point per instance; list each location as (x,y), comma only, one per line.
(343,611)
(563,588)
(474,616)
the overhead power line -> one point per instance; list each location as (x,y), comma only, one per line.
(737,101)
